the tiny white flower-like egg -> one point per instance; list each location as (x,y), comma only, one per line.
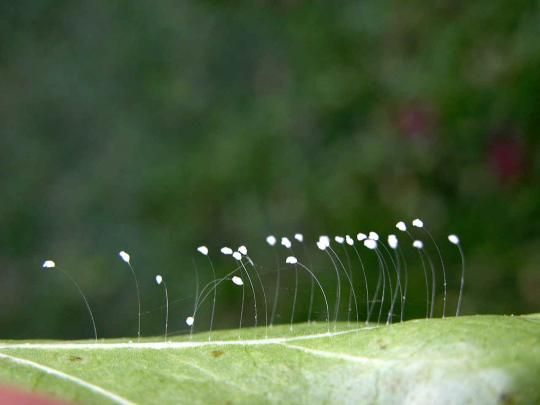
(374,236)
(453,239)
(48,264)
(190,320)
(349,240)
(401,226)
(226,251)
(124,256)
(286,242)
(299,237)
(339,239)
(237,280)
(271,240)
(159,279)
(418,244)
(324,239)
(243,250)
(237,256)
(291,260)
(418,223)
(370,244)
(392,241)
(361,236)
(321,245)
(203,250)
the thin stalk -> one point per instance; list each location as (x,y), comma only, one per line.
(84,299)
(365,282)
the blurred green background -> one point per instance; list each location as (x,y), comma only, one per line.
(155,127)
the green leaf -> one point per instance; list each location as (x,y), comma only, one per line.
(477,359)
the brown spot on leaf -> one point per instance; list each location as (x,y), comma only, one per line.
(75,358)
(217,353)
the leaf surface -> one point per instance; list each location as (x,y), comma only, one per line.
(471,359)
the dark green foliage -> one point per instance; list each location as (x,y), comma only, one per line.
(157,127)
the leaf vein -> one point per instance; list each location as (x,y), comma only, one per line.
(64,376)
(337,356)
